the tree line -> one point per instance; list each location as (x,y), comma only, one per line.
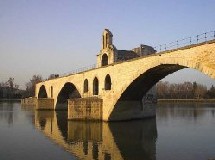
(10,90)
(164,89)
(31,84)
(185,90)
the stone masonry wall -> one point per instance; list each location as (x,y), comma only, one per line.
(45,104)
(85,108)
(32,101)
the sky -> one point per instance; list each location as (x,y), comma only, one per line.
(57,36)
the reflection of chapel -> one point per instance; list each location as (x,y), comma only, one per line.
(109,54)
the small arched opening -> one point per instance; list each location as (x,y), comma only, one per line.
(104,59)
(107,82)
(42,92)
(51,92)
(85,85)
(95,86)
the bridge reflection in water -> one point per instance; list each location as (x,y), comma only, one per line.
(100,140)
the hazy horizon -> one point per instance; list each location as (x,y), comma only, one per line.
(56,37)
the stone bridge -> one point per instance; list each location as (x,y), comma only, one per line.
(120,86)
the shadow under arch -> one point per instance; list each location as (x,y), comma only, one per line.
(138,88)
(42,92)
(69,91)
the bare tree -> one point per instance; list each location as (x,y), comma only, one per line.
(30,86)
(11,83)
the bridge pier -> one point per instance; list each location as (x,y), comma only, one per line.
(45,104)
(39,103)
(93,109)
(129,110)
(85,108)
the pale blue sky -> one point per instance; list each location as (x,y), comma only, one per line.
(57,36)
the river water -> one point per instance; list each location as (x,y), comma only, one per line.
(180,131)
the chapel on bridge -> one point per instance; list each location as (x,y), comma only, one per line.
(110,54)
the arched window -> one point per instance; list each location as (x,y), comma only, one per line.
(104,59)
(107,82)
(103,42)
(107,40)
(51,92)
(85,86)
(95,86)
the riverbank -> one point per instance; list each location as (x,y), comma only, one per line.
(9,100)
(187,100)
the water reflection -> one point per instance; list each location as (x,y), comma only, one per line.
(213,113)
(6,112)
(100,140)
(189,111)
(186,131)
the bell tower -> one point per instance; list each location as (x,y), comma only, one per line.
(107,53)
(107,39)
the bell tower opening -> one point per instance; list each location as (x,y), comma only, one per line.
(104,59)
(107,39)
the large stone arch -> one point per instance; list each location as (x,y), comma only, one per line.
(68,91)
(141,77)
(139,86)
(42,92)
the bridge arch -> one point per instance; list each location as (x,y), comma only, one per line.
(145,73)
(95,86)
(130,100)
(107,82)
(42,92)
(144,82)
(104,59)
(69,91)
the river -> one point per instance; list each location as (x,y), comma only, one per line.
(180,131)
